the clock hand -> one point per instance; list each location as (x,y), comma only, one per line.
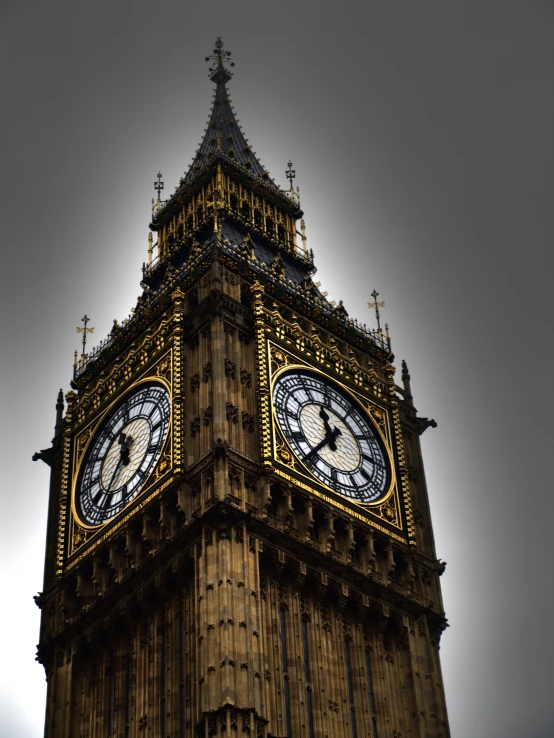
(317,448)
(114,475)
(334,433)
(323,415)
(125,442)
(330,435)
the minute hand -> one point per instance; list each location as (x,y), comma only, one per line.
(114,475)
(317,448)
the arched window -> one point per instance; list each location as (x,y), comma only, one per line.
(348,664)
(371,693)
(308,678)
(284,658)
(163,683)
(111,700)
(181,677)
(128,696)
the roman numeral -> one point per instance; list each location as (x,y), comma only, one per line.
(372,460)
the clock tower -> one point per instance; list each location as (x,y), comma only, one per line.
(239,539)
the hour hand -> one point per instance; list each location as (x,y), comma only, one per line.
(332,436)
(323,415)
(125,442)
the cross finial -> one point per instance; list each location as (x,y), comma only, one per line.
(84,330)
(376,305)
(290,174)
(219,58)
(159,185)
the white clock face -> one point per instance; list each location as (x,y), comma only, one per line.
(123,454)
(331,435)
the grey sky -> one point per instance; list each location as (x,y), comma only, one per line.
(421,134)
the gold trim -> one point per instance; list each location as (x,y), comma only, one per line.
(264,397)
(386,440)
(166,454)
(64,485)
(113,382)
(116,526)
(177,375)
(354,513)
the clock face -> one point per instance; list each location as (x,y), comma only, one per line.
(123,454)
(331,436)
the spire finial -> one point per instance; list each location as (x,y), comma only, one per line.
(406,382)
(159,185)
(290,174)
(376,305)
(219,58)
(84,331)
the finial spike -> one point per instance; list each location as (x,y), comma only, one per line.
(150,248)
(303,230)
(219,58)
(159,185)
(290,174)
(59,414)
(406,382)
(84,331)
(376,305)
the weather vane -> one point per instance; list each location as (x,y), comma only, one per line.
(290,175)
(220,57)
(159,185)
(376,305)
(84,330)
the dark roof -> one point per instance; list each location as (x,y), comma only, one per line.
(224,136)
(233,234)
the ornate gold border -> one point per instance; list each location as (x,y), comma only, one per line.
(162,374)
(362,515)
(377,416)
(262,374)
(363,405)
(116,526)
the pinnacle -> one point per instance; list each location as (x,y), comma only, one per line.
(223,137)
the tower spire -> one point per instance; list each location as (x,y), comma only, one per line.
(224,139)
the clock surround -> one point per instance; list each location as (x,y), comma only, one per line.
(121,454)
(351,458)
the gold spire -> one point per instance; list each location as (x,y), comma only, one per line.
(84,330)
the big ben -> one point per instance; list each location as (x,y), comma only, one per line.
(239,537)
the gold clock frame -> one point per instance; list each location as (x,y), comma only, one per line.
(388,507)
(280,341)
(81,533)
(278,436)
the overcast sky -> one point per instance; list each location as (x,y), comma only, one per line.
(421,134)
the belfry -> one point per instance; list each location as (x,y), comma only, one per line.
(239,538)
